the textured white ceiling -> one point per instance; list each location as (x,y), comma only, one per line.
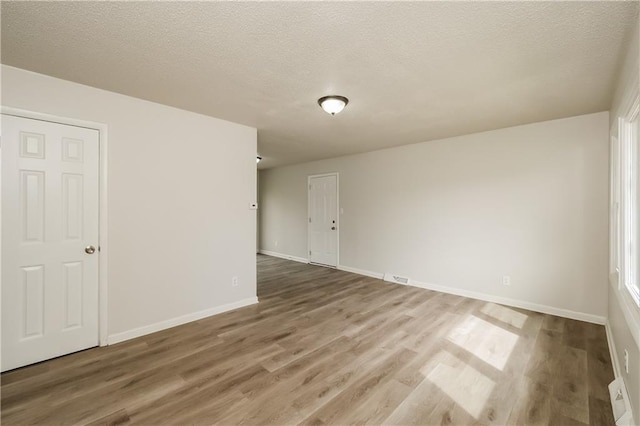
(413,71)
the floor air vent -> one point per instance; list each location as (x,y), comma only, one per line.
(392,278)
(620,403)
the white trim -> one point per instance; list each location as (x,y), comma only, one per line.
(173,322)
(634,106)
(284,256)
(103,238)
(628,176)
(627,281)
(627,306)
(361,272)
(103,210)
(337,175)
(613,353)
(545,309)
(628,100)
(614,208)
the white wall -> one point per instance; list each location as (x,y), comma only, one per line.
(623,323)
(528,201)
(179,188)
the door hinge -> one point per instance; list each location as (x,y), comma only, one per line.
(309,187)
(309,220)
(309,252)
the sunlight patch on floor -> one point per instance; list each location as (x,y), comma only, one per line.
(504,314)
(465,385)
(486,341)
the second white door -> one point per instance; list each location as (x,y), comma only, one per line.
(49,240)
(323,220)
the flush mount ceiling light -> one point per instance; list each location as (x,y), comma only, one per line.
(258,159)
(333,104)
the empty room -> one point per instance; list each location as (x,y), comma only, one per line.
(320,213)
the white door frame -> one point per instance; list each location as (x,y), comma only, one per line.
(337,175)
(102,212)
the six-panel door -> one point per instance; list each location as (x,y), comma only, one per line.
(49,217)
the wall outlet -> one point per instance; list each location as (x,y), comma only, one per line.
(626,361)
(234,282)
(506,280)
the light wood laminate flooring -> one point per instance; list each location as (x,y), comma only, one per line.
(326,347)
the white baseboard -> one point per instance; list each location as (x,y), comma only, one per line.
(612,351)
(545,309)
(361,272)
(284,256)
(173,322)
(565,313)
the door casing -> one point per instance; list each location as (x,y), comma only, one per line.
(337,175)
(102,208)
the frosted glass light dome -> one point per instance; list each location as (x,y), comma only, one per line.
(333,104)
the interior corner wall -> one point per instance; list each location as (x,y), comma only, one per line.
(530,202)
(179,188)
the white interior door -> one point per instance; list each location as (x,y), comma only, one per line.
(49,226)
(323,220)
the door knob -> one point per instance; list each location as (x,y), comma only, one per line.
(333,228)
(89,249)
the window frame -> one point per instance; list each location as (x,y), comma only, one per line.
(628,181)
(615,213)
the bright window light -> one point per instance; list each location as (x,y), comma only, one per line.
(504,314)
(486,341)
(469,388)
